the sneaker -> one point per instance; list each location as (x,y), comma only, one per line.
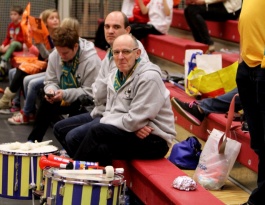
(3,64)
(14,109)
(21,119)
(188,110)
(211,49)
(5,111)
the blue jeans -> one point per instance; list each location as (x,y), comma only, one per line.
(251,88)
(71,131)
(220,104)
(32,85)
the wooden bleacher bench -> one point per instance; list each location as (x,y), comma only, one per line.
(246,157)
(151,181)
(224,30)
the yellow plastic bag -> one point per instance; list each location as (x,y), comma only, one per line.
(212,84)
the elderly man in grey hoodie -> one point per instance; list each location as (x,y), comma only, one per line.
(71,131)
(72,68)
(138,121)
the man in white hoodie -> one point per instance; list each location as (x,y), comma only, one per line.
(72,68)
(197,11)
(138,121)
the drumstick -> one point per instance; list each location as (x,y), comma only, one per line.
(108,170)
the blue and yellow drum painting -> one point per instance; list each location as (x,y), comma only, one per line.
(94,190)
(19,171)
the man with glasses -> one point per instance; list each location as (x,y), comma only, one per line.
(71,131)
(138,121)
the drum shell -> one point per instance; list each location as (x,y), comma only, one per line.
(17,170)
(68,192)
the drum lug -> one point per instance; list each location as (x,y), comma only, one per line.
(32,186)
(43,200)
(110,194)
(61,190)
(51,200)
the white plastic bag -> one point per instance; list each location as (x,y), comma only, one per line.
(213,168)
(218,156)
(208,62)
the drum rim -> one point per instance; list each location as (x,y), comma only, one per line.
(33,154)
(69,180)
(28,154)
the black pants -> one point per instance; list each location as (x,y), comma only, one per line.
(48,113)
(104,142)
(251,89)
(141,30)
(197,14)
(17,81)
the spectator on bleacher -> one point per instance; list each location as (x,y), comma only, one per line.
(138,16)
(196,111)
(197,11)
(131,9)
(127,7)
(14,39)
(34,82)
(71,131)
(160,16)
(251,85)
(72,68)
(138,122)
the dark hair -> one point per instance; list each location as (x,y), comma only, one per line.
(126,20)
(17,9)
(65,37)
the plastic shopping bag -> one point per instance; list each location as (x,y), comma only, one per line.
(212,84)
(218,157)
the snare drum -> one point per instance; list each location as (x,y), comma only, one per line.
(20,172)
(68,189)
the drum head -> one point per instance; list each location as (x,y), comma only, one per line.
(26,149)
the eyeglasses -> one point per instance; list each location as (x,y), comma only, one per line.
(124,52)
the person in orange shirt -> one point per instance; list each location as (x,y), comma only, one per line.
(14,39)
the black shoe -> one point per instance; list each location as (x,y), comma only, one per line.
(188,110)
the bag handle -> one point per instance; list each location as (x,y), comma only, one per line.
(223,139)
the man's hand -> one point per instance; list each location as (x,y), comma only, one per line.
(56,96)
(144,132)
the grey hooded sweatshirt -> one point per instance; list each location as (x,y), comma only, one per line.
(142,100)
(88,68)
